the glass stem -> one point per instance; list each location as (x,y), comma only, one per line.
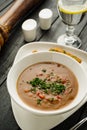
(70,30)
(69,39)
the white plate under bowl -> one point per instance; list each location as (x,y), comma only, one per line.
(45,46)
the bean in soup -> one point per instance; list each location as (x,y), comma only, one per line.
(47,86)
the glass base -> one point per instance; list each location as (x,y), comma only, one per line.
(73,41)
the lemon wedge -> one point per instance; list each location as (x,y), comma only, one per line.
(76,9)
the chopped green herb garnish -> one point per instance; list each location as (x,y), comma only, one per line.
(46,91)
(51,99)
(39,101)
(51,73)
(59,81)
(55,87)
(44,70)
(33,89)
(35,82)
(28,82)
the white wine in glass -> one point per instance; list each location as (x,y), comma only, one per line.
(71,13)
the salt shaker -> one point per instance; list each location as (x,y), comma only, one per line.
(29,28)
(45,19)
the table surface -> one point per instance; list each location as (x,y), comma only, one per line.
(9,51)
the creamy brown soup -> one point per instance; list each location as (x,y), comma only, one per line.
(47,86)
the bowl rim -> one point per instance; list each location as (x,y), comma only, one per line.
(33,110)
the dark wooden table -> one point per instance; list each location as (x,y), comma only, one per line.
(8,53)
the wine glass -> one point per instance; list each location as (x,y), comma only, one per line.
(71,12)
